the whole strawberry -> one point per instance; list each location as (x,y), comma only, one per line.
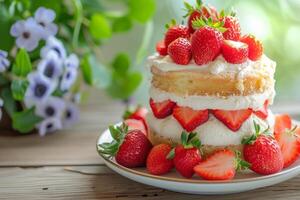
(130,148)
(234,52)
(233,29)
(187,155)
(206,44)
(255,47)
(157,161)
(263,153)
(176,31)
(161,48)
(180,51)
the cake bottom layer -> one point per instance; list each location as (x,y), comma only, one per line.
(213,132)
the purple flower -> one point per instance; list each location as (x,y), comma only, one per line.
(71,114)
(72,61)
(49,125)
(28,33)
(53,44)
(50,66)
(39,88)
(50,107)
(44,17)
(4,62)
(68,79)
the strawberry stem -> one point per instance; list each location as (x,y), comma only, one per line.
(240,164)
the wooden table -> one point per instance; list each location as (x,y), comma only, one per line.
(65,165)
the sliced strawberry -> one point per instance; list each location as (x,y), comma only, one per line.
(139,113)
(232,119)
(174,32)
(255,47)
(221,165)
(234,52)
(189,118)
(282,123)
(180,51)
(161,48)
(134,124)
(233,31)
(263,113)
(162,109)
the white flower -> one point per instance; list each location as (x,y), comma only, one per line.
(50,107)
(4,62)
(39,88)
(50,66)
(53,44)
(49,125)
(71,114)
(72,61)
(68,79)
(28,33)
(44,17)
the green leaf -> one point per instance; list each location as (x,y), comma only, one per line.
(18,88)
(22,64)
(9,102)
(121,24)
(121,63)
(86,70)
(25,121)
(171,154)
(141,10)
(99,27)
(3,80)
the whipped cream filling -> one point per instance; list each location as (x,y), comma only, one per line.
(213,132)
(254,101)
(218,66)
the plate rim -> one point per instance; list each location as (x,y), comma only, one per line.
(192,181)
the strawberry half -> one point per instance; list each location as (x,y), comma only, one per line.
(162,109)
(189,118)
(157,161)
(221,165)
(206,44)
(180,51)
(232,119)
(283,122)
(174,32)
(234,52)
(139,113)
(255,47)
(263,113)
(161,48)
(135,124)
(233,29)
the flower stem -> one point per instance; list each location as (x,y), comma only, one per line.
(79,17)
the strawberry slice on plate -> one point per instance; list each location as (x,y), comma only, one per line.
(189,118)
(139,113)
(162,109)
(135,124)
(232,119)
(263,113)
(288,140)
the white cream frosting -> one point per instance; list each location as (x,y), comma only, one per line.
(254,101)
(218,66)
(213,132)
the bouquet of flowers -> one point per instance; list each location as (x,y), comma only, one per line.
(42,70)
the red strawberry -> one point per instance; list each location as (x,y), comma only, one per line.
(263,113)
(130,148)
(232,119)
(134,124)
(221,165)
(175,32)
(206,44)
(157,161)
(189,118)
(187,155)
(288,139)
(263,153)
(162,109)
(282,123)
(233,31)
(234,52)
(139,114)
(180,51)
(161,48)
(255,47)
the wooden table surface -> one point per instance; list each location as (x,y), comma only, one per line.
(65,165)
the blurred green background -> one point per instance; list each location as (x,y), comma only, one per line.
(276,23)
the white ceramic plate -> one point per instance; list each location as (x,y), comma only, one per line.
(243,181)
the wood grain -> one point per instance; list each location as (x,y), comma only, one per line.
(98,182)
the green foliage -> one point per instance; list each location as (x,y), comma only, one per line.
(122,24)
(9,102)
(99,27)
(141,10)
(25,121)
(121,63)
(18,88)
(22,64)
